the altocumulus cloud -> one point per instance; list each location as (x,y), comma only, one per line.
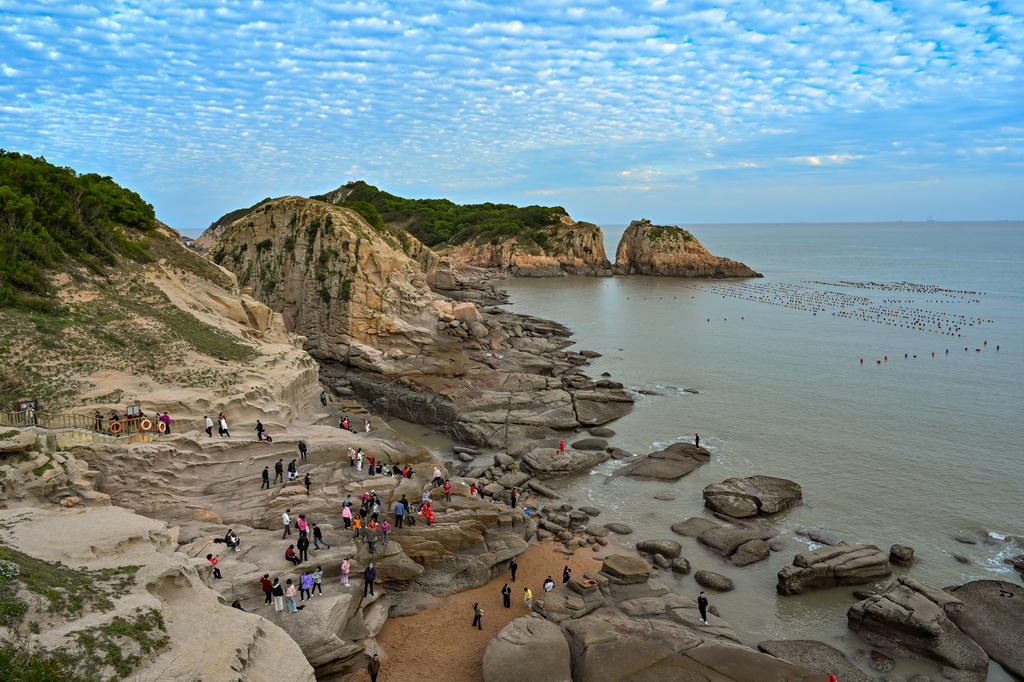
(207,105)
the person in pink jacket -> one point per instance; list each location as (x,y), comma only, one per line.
(346,515)
(346,566)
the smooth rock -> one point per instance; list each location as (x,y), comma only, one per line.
(669,464)
(618,528)
(694,526)
(816,656)
(590,511)
(590,444)
(601,432)
(528,649)
(625,569)
(667,548)
(901,555)
(713,581)
(681,565)
(750,552)
(993,616)
(666,496)
(844,564)
(741,497)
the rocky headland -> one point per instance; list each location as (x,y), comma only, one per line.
(671,251)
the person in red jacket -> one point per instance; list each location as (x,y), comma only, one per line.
(268,587)
(214,560)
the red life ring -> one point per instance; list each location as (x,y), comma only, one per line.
(161,427)
(145,425)
(115,427)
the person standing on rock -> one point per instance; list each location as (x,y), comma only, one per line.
(369,575)
(268,587)
(513,567)
(302,544)
(209,426)
(447,490)
(357,524)
(515,466)
(287,522)
(385,528)
(375,512)
(302,449)
(318,538)
(292,471)
(323,398)
(289,597)
(259,430)
(561,447)
(566,574)
(214,560)
(399,510)
(351,457)
(305,585)
(366,424)
(277,592)
(702,606)
(346,516)
(301,525)
(359,459)
(318,579)
(478,614)
(279,471)
(373,667)
(696,440)
(506,596)
(166,419)
(549,584)
(371,537)
(224,426)
(266,479)
(513,498)
(306,482)
(346,566)
(527,597)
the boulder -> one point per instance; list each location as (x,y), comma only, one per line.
(816,656)
(844,564)
(680,565)
(911,619)
(694,526)
(618,528)
(669,464)
(901,555)
(601,432)
(528,649)
(670,251)
(753,495)
(713,581)
(993,616)
(626,570)
(590,444)
(669,549)
(545,464)
(590,511)
(750,552)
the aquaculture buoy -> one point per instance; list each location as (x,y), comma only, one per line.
(977,350)
(161,427)
(878,361)
(862,361)
(145,425)
(115,427)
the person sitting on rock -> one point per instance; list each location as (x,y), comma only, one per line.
(549,584)
(232,541)
(290,555)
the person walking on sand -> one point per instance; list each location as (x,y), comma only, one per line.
(268,588)
(506,596)
(277,592)
(513,567)
(266,478)
(346,566)
(209,426)
(696,440)
(702,606)
(373,667)
(527,597)
(303,449)
(279,471)
(369,575)
(478,614)
(566,574)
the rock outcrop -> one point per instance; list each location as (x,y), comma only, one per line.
(993,616)
(647,249)
(843,564)
(529,649)
(545,463)
(816,656)
(674,462)
(741,497)
(913,620)
(569,248)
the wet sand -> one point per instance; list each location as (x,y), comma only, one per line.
(441,641)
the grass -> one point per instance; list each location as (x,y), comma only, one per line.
(665,232)
(117,646)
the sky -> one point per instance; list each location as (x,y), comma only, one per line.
(678,111)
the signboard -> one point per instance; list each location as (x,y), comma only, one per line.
(132,411)
(27,405)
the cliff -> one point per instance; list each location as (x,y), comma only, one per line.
(565,248)
(647,249)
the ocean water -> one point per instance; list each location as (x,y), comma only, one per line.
(913,450)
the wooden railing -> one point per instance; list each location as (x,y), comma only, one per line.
(29,418)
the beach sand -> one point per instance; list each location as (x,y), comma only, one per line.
(441,642)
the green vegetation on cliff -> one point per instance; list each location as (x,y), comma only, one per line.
(439,221)
(51,216)
(660,232)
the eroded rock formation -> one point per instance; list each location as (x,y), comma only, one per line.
(647,249)
(844,564)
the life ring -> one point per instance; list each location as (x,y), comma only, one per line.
(115,427)
(145,425)
(161,427)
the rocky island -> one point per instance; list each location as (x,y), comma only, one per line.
(314,321)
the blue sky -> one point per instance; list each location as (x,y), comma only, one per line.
(682,112)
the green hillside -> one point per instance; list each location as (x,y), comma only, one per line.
(51,217)
(440,221)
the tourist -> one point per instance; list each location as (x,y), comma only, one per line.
(318,538)
(238,605)
(302,544)
(343,423)
(209,426)
(399,510)
(224,426)
(278,593)
(448,491)
(289,597)
(279,471)
(369,575)
(303,449)
(268,588)
(357,524)
(318,577)
(371,537)
(506,596)
(375,512)
(696,440)
(232,541)
(366,424)
(359,458)
(97,423)
(513,567)
(323,398)
(549,584)
(346,566)
(527,597)
(566,574)
(266,478)
(515,466)
(561,447)
(513,498)
(287,522)
(373,667)
(385,528)
(351,457)
(305,584)
(702,606)
(477,616)
(165,419)
(306,482)
(371,468)
(214,560)
(346,516)
(302,525)
(293,472)
(438,480)
(289,554)
(259,430)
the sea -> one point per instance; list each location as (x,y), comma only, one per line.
(878,365)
